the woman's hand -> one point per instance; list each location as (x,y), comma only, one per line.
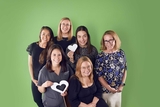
(35,82)
(70,55)
(91,105)
(64,94)
(120,88)
(47,84)
(113,90)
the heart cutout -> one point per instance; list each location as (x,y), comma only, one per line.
(60,87)
(73,47)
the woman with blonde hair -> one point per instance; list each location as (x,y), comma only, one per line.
(84,88)
(111,67)
(65,33)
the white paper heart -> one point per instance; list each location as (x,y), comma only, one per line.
(62,82)
(73,47)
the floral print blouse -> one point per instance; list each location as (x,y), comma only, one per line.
(112,67)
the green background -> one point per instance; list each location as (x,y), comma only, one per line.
(135,21)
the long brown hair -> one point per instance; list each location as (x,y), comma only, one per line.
(62,63)
(43,54)
(89,46)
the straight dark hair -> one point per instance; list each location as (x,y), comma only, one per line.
(89,46)
(63,63)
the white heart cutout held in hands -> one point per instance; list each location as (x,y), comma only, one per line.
(73,47)
(56,86)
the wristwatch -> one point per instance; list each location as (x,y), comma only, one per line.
(123,84)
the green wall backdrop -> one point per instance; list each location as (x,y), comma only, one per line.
(135,21)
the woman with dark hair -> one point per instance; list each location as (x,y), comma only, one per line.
(85,48)
(55,70)
(84,88)
(37,59)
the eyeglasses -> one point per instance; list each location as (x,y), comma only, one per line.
(110,41)
(63,24)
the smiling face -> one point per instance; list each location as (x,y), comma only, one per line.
(86,69)
(45,36)
(109,42)
(65,26)
(82,38)
(56,57)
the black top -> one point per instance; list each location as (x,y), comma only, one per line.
(35,50)
(77,94)
(84,52)
(64,42)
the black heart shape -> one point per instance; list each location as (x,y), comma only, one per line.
(61,87)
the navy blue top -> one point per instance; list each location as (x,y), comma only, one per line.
(78,94)
(64,43)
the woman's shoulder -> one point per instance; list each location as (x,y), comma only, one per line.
(93,47)
(101,54)
(44,69)
(55,39)
(121,50)
(73,39)
(74,79)
(31,46)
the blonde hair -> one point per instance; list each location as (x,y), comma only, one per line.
(115,37)
(70,32)
(78,68)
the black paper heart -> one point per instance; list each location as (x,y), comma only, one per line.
(61,87)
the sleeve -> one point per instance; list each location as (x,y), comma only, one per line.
(41,77)
(73,39)
(99,65)
(95,53)
(71,70)
(30,49)
(73,90)
(125,61)
(98,93)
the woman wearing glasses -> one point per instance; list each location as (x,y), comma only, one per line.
(65,33)
(111,68)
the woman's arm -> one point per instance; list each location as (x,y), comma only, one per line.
(106,85)
(30,66)
(123,81)
(73,90)
(43,87)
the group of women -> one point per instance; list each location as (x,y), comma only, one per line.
(95,79)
